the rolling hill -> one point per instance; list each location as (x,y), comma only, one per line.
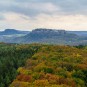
(47,36)
(9,34)
(50,36)
(12,31)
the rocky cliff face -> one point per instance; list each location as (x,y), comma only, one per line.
(41,30)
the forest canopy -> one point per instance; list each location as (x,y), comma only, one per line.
(36,65)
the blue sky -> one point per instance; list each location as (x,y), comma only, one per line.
(55,14)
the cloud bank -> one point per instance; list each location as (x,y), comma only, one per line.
(56,14)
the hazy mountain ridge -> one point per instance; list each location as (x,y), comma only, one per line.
(9,34)
(12,31)
(80,33)
(48,36)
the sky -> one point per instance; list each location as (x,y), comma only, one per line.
(51,14)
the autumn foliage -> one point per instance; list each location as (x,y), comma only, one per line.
(54,66)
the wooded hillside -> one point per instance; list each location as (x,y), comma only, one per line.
(54,66)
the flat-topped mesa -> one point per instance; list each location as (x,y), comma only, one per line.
(13,32)
(43,30)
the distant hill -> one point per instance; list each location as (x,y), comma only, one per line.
(48,36)
(8,35)
(39,34)
(12,31)
(80,33)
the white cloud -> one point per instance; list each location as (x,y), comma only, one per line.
(30,14)
(68,22)
(16,21)
(46,7)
